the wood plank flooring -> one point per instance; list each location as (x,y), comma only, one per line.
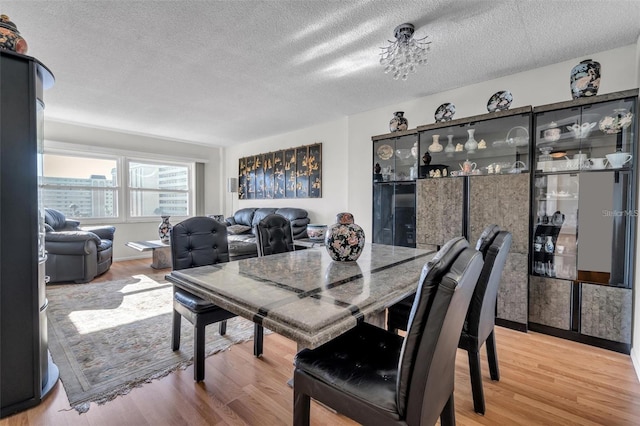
(544,381)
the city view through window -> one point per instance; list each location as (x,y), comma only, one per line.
(82,187)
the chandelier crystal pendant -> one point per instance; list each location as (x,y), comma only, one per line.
(402,56)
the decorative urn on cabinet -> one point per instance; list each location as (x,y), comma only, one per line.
(10,38)
(585,79)
(344,240)
(398,122)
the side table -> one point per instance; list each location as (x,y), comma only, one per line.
(161,252)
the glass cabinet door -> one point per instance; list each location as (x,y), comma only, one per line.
(395,159)
(484,147)
(394,213)
(583,198)
(555,242)
(588,138)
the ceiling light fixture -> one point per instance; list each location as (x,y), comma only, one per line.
(402,55)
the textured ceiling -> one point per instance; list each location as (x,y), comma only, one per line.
(227,72)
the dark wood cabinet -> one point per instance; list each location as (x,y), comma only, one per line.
(26,372)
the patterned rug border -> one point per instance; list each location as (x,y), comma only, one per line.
(79,391)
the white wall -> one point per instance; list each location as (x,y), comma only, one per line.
(336,170)
(57,133)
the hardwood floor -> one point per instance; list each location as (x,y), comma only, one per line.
(544,381)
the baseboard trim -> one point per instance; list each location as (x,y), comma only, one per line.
(635,360)
(134,257)
(518,326)
(623,348)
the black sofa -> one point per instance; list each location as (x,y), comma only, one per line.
(241,228)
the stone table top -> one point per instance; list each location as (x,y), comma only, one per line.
(306,296)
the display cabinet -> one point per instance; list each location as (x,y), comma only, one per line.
(489,144)
(395,169)
(27,373)
(583,211)
(478,174)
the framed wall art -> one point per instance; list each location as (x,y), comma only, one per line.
(288,173)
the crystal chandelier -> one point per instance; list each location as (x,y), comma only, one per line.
(402,55)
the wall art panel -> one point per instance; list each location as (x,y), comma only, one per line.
(290,173)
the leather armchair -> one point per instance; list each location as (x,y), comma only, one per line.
(73,253)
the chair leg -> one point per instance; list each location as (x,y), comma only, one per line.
(223,327)
(258,338)
(198,353)
(301,408)
(492,355)
(476,381)
(448,415)
(175,332)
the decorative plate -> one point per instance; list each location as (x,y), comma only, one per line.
(500,101)
(445,112)
(385,152)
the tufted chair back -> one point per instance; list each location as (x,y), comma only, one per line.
(427,361)
(274,235)
(198,241)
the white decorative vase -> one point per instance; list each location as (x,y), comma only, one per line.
(435,146)
(450,149)
(471,145)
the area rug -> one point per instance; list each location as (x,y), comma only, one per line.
(107,338)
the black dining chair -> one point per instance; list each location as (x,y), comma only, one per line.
(481,316)
(478,328)
(375,376)
(198,241)
(273,236)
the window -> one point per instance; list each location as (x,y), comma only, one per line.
(158,189)
(80,187)
(115,187)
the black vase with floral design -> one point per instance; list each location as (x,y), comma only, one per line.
(344,240)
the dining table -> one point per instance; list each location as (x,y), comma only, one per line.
(306,296)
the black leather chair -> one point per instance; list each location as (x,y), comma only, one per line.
(75,253)
(481,317)
(273,235)
(478,328)
(197,241)
(375,376)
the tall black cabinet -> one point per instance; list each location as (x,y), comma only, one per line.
(394,188)
(26,371)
